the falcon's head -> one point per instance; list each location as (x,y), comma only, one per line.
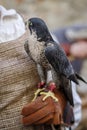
(38,27)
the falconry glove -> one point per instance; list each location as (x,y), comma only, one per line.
(47,112)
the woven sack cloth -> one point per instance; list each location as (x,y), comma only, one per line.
(18,78)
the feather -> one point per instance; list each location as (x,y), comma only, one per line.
(80,78)
(63,68)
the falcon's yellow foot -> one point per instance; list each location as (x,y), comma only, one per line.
(37,93)
(49,94)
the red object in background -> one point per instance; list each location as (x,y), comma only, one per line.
(66,47)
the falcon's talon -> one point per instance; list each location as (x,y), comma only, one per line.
(41,84)
(37,93)
(49,94)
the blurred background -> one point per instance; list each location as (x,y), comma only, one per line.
(57,14)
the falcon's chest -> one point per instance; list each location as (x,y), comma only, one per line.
(36,50)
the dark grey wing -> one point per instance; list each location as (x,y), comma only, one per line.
(58,60)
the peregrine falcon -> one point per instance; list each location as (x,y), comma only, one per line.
(54,68)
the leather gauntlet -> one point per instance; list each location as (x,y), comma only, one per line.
(48,111)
